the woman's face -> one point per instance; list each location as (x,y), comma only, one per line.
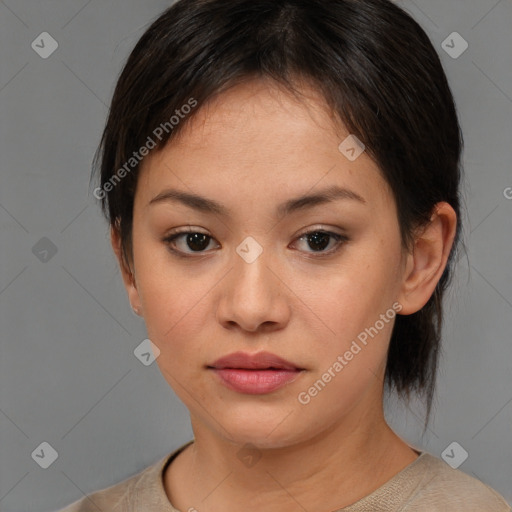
(252,281)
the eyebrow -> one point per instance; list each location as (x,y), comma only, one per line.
(300,203)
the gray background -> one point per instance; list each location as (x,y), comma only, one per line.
(68,374)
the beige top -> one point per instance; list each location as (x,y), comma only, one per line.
(426,485)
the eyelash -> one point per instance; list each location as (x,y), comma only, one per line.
(339,239)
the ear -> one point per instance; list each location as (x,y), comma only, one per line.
(126,272)
(425,265)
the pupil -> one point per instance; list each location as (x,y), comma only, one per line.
(318,241)
(197,241)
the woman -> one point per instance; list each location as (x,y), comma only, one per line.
(281,179)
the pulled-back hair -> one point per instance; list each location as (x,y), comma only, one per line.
(377,71)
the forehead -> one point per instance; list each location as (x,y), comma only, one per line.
(245,108)
(259,140)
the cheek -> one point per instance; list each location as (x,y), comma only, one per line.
(175,308)
(180,320)
(350,361)
(356,303)
(358,292)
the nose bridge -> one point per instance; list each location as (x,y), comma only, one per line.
(253,294)
(252,281)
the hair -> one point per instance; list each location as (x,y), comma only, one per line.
(375,68)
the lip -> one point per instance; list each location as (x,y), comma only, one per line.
(255,374)
(258,361)
(255,382)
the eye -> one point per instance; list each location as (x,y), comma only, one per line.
(190,242)
(319,240)
(195,241)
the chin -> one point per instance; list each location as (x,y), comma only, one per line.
(264,432)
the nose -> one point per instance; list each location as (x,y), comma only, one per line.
(253,298)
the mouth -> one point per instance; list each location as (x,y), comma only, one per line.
(255,374)
(257,369)
(259,361)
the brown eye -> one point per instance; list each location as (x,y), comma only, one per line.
(319,241)
(188,242)
(197,241)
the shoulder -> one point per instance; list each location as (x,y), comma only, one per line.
(428,484)
(114,498)
(442,487)
(141,492)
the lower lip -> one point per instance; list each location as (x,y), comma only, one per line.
(256,382)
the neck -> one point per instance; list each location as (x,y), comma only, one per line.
(332,470)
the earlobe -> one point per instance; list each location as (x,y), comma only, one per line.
(126,272)
(426,264)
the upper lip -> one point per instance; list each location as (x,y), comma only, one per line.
(259,361)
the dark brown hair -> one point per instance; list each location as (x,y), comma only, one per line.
(374,66)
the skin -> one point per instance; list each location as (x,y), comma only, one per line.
(253,148)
